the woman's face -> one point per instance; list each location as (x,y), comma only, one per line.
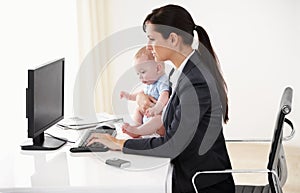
(160,47)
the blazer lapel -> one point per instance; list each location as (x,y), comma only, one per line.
(189,65)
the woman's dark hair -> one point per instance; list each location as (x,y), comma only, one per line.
(173,18)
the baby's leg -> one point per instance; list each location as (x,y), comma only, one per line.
(126,127)
(138,117)
(131,130)
(161,131)
(148,128)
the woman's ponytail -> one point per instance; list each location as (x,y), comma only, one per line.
(204,41)
(212,63)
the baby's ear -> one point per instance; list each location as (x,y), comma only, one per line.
(159,67)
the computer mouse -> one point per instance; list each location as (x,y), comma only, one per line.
(106,125)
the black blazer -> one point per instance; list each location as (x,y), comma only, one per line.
(194,139)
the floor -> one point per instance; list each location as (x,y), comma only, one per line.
(255,156)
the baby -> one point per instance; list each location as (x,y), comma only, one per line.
(152,74)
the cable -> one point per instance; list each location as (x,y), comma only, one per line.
(61,139)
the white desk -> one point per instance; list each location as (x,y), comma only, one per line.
(63,171)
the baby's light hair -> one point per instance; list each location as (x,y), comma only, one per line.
(147,55)
(144,52)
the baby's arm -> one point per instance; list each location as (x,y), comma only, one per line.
(129,96)
(160,104)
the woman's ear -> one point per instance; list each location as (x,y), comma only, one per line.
(173,38)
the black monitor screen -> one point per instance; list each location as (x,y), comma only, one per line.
(48,96)
(44,99)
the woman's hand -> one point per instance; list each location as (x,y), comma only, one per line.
(153,111)
(107,140)
(145,101)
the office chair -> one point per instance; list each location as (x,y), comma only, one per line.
(276,168)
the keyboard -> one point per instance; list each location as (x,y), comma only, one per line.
(95,147)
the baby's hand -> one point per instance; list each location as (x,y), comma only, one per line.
(124,94)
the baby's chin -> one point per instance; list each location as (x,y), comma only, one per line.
(148,82)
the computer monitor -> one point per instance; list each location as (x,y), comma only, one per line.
(44,104)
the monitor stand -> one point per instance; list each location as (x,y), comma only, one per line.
(42,142)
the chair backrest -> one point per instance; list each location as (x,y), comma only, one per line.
(276,156)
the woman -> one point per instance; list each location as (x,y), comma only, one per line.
(193,117)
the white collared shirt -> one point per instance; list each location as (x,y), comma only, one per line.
(174,78)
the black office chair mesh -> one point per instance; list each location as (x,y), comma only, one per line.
(276,168)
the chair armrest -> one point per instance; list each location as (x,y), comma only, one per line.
(291,135)
(278,188)
(285,138)
(248,140)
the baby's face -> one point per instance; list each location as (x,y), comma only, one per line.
(147,71)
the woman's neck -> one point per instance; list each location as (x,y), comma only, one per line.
(179,56)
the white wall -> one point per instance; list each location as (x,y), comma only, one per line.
(32,32)
(258,47)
